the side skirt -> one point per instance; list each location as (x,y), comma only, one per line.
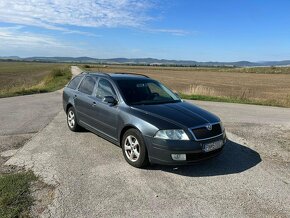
(99,133)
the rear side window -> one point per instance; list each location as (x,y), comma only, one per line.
(87,85)
(105,88)
(74,82)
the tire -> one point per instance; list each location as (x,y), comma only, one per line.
(133,140)
(72,120)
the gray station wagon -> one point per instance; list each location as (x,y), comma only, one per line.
(146,119)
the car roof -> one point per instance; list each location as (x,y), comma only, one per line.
(117,76)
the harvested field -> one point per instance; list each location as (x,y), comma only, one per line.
(17,78)
(265,85)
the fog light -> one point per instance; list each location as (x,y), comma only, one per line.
(178,156)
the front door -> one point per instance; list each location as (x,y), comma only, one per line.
(106,114)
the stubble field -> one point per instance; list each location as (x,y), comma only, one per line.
(19,78)
(260,85)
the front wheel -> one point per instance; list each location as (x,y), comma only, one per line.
(134,149)
(71,120)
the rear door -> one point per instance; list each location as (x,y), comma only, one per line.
(84,101)
(70,91)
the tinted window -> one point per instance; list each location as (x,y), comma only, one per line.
(74,82)
(87,85)
(146,92)
(105,88)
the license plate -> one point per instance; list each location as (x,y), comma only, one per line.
(212,146)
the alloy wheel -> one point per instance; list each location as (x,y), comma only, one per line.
(71,119)
(132,148)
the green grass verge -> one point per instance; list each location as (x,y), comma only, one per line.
(55,80)
(232,100)
(15,198)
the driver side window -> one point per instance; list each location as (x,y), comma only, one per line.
(105,88)
(158,91)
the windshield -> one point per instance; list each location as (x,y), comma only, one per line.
(138,91)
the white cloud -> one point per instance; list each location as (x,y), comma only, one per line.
(53,14)
(63,15)
(16,41)
(67,31)
(176,32)
(14,36)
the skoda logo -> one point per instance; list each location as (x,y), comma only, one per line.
(209,127)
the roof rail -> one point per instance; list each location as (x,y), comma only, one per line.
(137,74)
(90,72)
(108,74)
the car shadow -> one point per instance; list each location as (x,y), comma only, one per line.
(234,158)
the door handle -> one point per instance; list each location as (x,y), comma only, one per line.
(94,104)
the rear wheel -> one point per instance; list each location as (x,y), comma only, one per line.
(72,120)
(134,149)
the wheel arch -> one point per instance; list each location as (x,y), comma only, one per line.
(144,160)
(125,129)
(68,106)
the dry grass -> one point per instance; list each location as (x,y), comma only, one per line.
(15,198)
(262,85)
(19,78)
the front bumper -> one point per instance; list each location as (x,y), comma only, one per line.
(160,150)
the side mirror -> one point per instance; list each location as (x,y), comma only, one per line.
(110,100)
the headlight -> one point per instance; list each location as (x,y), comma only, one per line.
(173,134)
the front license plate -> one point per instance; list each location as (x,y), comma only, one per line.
(212,146)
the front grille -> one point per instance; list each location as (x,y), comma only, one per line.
(204,133)
(202,155)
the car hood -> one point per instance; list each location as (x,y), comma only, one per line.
(182,114)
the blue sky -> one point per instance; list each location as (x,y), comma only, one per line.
(202,30)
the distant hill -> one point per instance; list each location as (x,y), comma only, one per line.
(146,61)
